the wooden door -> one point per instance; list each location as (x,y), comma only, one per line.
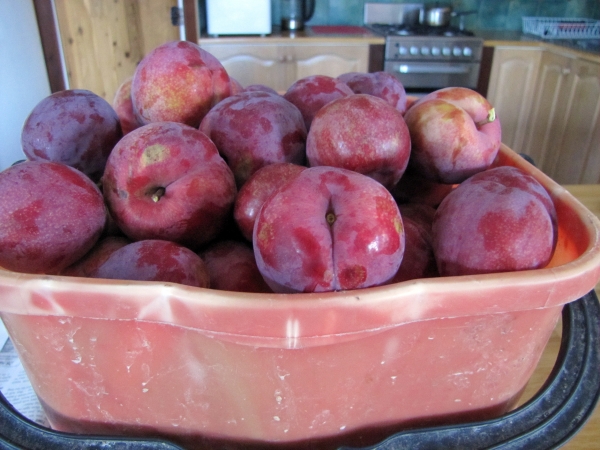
(104,40)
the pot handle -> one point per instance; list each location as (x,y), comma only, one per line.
(310,9)
(422,12)
(461,15)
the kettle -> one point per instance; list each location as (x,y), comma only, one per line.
(294,13)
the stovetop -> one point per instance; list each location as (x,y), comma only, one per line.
(418,30)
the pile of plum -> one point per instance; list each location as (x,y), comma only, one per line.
(337,184)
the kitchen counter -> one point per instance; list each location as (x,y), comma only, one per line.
(324,33)
(585,48)
(589,436)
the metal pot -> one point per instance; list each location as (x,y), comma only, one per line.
(437,16)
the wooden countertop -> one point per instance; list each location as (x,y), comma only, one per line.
(351,35)
(499,38)
(589,436)
(330,34)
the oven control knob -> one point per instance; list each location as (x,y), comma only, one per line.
(414,50)
(424,50)
(435,51)
(467,51)
(402,50)
(446,51)
(456,51)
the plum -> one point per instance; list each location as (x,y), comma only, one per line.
(166,180)
(499,220)
(123,106)
(74,127)
(418,260)
(178,82)
(454,134)
(51,216)
(261,88)
(414,188)
(260,186)
(155,260)
(328,229)
(232,267)
(235,86)
(311,93)
(380,84)
(96,256)
(254,129)
(363,133)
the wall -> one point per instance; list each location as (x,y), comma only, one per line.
(23,77)
(491,14)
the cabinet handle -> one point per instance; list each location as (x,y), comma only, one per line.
(566,70)
(286,58)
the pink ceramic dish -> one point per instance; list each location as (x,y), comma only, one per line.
(202,366)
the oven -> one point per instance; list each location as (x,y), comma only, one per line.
(424,57)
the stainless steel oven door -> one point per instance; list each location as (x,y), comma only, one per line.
(429,76)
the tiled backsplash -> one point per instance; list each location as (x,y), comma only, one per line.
(491,14)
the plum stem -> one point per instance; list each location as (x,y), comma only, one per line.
(490,118)
(330,218)
(158,194)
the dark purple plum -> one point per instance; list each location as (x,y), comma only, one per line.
(232,267)
(363,133)
(253,129)
(259,187)
(380,84)
(500,220)
(311,93)
(74,127)
(419,259)
(50,216)
(328,229)
(155,260)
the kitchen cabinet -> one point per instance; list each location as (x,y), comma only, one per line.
(511,88)
(548,101)
(277,63)
(564,127)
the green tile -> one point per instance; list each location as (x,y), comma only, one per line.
(552,8)
(466,5)
(321,15)
(346,12)
(517,9)
(492,14)
(581,8)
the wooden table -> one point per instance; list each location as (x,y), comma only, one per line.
(589,436)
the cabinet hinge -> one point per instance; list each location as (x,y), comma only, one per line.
(176,16)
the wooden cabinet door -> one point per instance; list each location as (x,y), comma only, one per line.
(542,135)
(562,131)
(330,60)
(512,85)
(252,63)
(278,65)
(103,41)
(577,126)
